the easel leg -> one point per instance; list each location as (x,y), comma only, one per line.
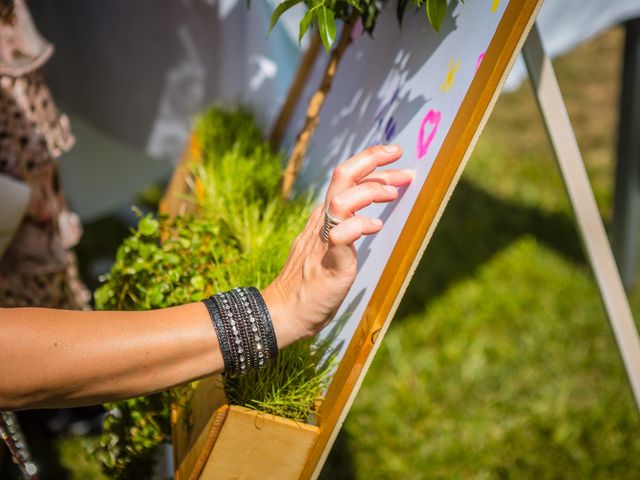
(589,222)
(626,213)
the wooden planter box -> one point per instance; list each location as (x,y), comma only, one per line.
(212,439)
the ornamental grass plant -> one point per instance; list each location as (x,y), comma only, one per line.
(240,235)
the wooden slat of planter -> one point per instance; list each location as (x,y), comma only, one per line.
(255,445)
(195,428)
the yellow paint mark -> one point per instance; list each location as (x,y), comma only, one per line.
(453,68)
(494,5)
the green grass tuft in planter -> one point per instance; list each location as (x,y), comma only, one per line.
(240,235)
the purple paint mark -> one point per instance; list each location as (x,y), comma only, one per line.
(389,129)
(479,61)
(432,117)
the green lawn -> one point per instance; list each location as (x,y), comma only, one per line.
(500,362)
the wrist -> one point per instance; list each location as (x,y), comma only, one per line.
(283,313)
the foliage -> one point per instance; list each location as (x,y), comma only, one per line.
(323,14)
(131,432)
(241,235)
(74,458)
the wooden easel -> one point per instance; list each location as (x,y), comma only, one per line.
(588,221)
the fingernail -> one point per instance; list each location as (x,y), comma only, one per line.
(376,221)
(409,171)
(391,148)
(390,188)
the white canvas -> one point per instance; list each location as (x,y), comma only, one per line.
(404,85)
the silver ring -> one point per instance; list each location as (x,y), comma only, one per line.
(329,222)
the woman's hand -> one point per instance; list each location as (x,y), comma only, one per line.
(318,274)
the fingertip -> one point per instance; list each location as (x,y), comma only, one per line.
(410,172)
(393,148)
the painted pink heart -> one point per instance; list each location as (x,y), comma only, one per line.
(432,117)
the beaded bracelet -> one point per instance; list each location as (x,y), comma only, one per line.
(244,328)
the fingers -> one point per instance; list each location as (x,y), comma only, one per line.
(345,204)
(395,177)
(361,165)
(347,232)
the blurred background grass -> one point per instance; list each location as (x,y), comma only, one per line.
(500,362)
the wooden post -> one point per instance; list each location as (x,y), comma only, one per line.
(588,220)
(626,213)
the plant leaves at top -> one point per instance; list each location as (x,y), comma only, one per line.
(305,22)
(369,16)
(326,27)
(436,10)
(280,9)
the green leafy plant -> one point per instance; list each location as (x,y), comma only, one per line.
(323,14)
(240,235)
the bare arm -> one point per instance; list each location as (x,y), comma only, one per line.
(55,358)
(66,358)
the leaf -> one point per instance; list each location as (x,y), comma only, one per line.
(355,4)
(197,282)
(305,22)
(369,18)
(280,9)
(436,10)
(326,27)
(148,225)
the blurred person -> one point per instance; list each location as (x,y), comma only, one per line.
(38,267)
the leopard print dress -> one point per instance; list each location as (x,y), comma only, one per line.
(38,268)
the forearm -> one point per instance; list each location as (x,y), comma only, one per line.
(63,358)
